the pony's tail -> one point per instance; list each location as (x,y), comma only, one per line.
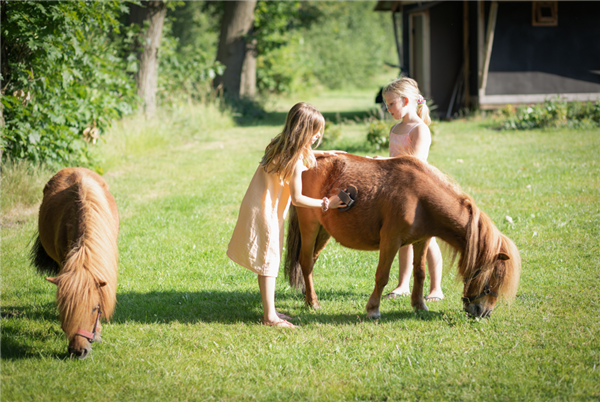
(41,260)
(293,270)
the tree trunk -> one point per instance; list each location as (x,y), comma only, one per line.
(147,76)
(235,52)
(248,77)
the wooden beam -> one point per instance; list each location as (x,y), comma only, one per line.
(426,55)
(489,41)
(425,6)
(480,41)
(466,53)
(398,45)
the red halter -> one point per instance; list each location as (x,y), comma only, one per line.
(90,336)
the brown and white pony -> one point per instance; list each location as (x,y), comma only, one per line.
(401,201)
(77,242)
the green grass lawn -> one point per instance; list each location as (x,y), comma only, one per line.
(187,327)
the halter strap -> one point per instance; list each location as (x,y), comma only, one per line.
(90,336)
(486,292)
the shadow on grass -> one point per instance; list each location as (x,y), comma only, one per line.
(234,307)
(387,316)
(19,338)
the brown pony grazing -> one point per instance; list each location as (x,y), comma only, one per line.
(77,241)
(401,201)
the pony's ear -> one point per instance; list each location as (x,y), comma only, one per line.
(101,283)
(52,280)
(503,256)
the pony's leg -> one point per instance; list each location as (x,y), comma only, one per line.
(387,253)
(416,298)
(322,239)
(309,230)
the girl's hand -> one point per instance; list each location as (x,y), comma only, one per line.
(335,202)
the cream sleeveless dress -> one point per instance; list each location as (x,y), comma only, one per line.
(257,240)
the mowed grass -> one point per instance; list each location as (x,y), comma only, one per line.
(187,327)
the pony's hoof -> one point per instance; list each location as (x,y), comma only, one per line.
(421,307)
(374,315)
(313,306)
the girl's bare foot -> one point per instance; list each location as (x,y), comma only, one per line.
(281,323)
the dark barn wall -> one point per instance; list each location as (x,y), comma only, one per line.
(446,29)
(473,63)
(530,59)
(405,41)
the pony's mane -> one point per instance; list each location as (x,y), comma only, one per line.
(484,243)
(92,260)
(484,240)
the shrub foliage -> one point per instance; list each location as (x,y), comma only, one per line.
(553,113)
(63,78)
(378,134)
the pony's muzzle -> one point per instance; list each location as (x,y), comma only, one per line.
(477,310)
(80,353)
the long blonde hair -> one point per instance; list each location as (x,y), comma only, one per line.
(294,142)
(408,88)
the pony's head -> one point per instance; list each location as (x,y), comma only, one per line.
(80,305)
(490,268)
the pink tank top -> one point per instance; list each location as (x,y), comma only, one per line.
(401,144)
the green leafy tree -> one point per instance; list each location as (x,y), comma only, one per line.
(278,27)
(349,44)
(275,27)
(64,78)
(187,54)
(185,73)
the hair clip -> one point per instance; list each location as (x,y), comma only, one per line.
(421,100)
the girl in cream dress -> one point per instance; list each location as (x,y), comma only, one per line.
(257,240)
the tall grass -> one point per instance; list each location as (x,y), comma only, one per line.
(21,187)
(136,135)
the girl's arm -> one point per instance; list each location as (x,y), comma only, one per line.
(327,153)
(421,140)
(299,200)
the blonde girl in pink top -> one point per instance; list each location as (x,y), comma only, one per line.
(257,239)
(412,137)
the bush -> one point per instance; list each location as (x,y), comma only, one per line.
(553,113)
(348,44)
(187,66)
(378,134)
(306,45)
(333,132)
(63,79)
